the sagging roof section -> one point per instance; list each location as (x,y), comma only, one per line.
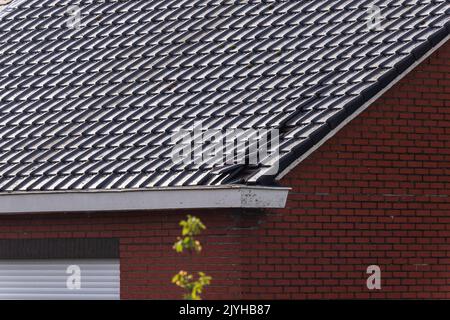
(95,107)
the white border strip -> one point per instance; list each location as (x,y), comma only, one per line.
(232,196)
(359,111)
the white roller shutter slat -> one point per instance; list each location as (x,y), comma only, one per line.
(48,279)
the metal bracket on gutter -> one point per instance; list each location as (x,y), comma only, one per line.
(231,196)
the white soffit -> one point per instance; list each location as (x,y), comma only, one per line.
(232,196)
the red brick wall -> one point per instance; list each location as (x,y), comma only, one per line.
(146,256)
(376,193)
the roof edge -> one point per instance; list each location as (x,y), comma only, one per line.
(231,196)
(298,157)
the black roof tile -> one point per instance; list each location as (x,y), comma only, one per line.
(95,107)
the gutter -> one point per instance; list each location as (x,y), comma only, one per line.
(229,196)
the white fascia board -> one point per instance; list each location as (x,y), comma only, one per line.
(231,196)
(359,111)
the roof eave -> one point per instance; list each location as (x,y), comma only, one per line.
(230,196)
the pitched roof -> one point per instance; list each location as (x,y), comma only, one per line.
(95,107)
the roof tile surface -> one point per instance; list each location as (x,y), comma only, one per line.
(95,107)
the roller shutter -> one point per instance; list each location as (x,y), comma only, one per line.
(59,269)
(41,279)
